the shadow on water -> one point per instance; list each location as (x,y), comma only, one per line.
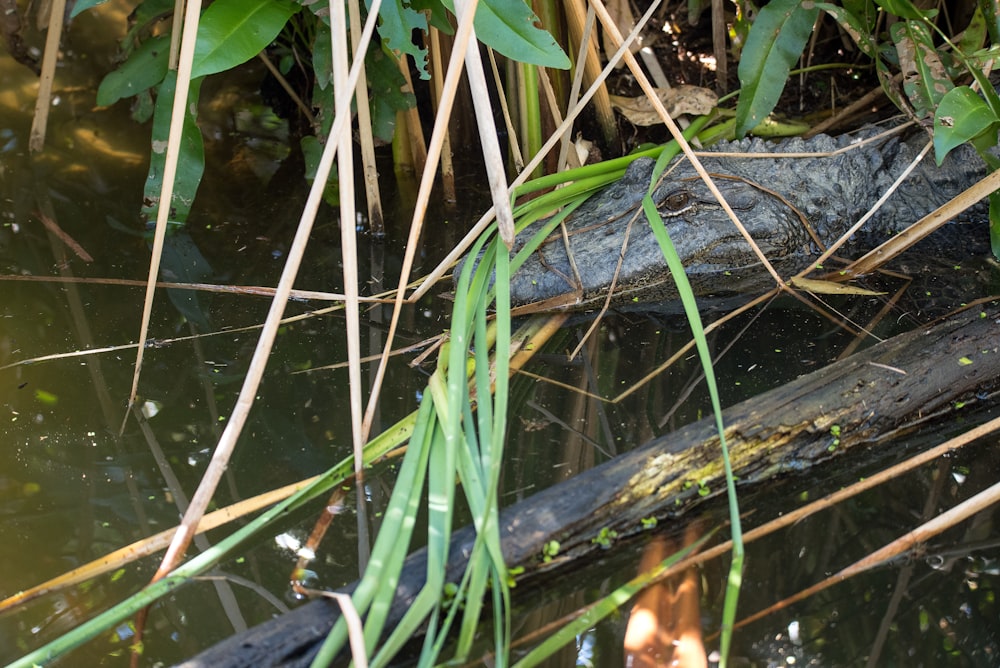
(71,491)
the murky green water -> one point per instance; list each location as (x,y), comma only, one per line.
(71,490)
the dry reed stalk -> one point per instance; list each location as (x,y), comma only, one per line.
(611,30)
(920,229)
(455,66)
(227,442)
(514,137)
(575,20)
(905,543)
(567,135)
(719,47)
(487,217)
(36,140)
(376,220)
(414,130)
(447,166)
(349,245)
(489,143)
(188,39)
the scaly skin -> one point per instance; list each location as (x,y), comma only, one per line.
(831,192)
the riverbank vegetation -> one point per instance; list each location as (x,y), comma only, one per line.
(433,81)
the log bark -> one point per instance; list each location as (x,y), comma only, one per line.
(864,401)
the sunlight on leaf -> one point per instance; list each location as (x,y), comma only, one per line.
(508,26)
(232,32)
(961,116)
(775,42)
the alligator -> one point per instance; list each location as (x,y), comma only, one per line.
(772,197)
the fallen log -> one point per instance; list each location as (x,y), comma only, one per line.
(864,401)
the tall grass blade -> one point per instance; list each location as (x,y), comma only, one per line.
(698,331)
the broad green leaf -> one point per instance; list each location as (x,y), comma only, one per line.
(991,14)
(232,32)
(191,164)
(775,42)
(322,58)
(864,11)
(974,36)
(312,151)
(961,116)
(397,21)
(986,86)
(437,14)
(925,80)
(181,260)
(906,10)
(83,5)
(385,93)
(508,27)
(144,69)
(885,77)
(849,23)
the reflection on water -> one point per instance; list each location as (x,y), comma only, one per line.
(71,490)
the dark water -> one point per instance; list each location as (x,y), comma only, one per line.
(71,490)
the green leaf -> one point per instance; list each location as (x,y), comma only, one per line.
(991,14)
(322,57)
(144,69)
(508,27)
(385,93)
(312,152)
(182,262)
(905,9)
(995,223)
(925,80)
(775,42)
(397,21)
(864,10)
(987,89)
(961,116)
(191,164)
(973,37)
(849,23)
(83,5)
(886,78)
(232,32)
(142,107)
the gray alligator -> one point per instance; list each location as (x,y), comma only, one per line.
(768,195)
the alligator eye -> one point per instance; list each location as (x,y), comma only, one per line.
(676,202)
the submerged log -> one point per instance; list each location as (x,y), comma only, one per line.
(863,401)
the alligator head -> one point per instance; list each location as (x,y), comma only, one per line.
(611,226)
(828,181)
